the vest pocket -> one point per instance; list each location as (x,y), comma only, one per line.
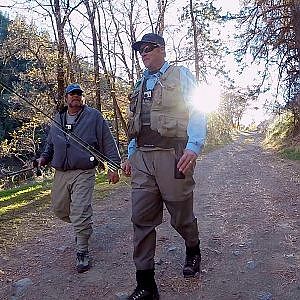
(171,126)
(133,98)
(131,128)
(170,93)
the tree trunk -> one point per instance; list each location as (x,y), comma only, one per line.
(109,77)
(194,26)
(296,24)
(160,26)
(91,16)
(61,53)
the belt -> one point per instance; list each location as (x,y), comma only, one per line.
(151,139)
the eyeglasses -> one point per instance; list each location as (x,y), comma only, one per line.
(148,48)
(78,93)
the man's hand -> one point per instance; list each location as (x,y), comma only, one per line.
(186,161)
(41,161)
(113,176)
(126,166)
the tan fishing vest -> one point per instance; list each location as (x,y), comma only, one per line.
(169,114)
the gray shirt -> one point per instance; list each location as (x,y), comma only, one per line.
(66,154)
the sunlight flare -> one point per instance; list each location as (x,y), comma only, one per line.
(206,97)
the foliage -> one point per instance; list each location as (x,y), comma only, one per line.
(6,123)
(271,32)
(23,142)
(4,21)
(233,105)
(280,136)
(293,154)
(219,131)
(210,46)
(279,131)
(31,59)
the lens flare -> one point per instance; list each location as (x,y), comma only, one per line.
(206,97)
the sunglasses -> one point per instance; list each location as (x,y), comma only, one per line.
(148,48)
(78,93)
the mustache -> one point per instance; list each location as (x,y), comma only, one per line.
(71,105)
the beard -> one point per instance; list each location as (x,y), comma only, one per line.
(75,103)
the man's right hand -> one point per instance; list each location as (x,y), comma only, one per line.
(41,161)
(126,167)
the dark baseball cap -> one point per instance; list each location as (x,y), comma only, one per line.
(151,38)
(73,87)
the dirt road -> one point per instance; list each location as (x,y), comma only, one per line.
(247,205)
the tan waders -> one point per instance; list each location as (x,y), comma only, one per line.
(154,184)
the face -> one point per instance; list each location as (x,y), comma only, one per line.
(74,99)
(153,56)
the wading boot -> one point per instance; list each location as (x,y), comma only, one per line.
(146,287)
(192,262)
(82,262)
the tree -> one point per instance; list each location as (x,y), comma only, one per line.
(233,105)
(91,12)
(4,22)
(23,142)
(6,123)
(272,34)
(205,49)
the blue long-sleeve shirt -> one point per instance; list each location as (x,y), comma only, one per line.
(196,129)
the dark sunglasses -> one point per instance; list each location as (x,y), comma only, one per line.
(78,93)
(148,48)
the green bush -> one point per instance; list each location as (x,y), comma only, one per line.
(293,154)
(279,136)
(279,131)
(219,131)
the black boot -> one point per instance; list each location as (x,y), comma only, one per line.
(192,262)
(82,262)
(146,287)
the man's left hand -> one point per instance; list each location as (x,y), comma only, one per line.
(113,176)
(186,161)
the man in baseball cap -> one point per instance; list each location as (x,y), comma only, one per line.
(73,87)
(74,164)
(149,38)
(166,136)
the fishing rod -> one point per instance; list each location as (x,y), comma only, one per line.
(95,153)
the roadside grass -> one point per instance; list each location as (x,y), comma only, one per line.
(26,210)
(212,147)
(23,210)
(293,154)
(279,137)
(221,140)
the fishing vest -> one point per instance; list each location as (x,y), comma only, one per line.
(168,112)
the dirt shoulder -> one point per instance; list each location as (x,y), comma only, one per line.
(247,205)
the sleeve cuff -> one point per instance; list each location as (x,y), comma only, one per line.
(194,147)
(131,147)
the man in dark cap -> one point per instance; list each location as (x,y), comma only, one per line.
(166,135)
(74,166)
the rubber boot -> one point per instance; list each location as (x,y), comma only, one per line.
(192,261)
(146,286)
